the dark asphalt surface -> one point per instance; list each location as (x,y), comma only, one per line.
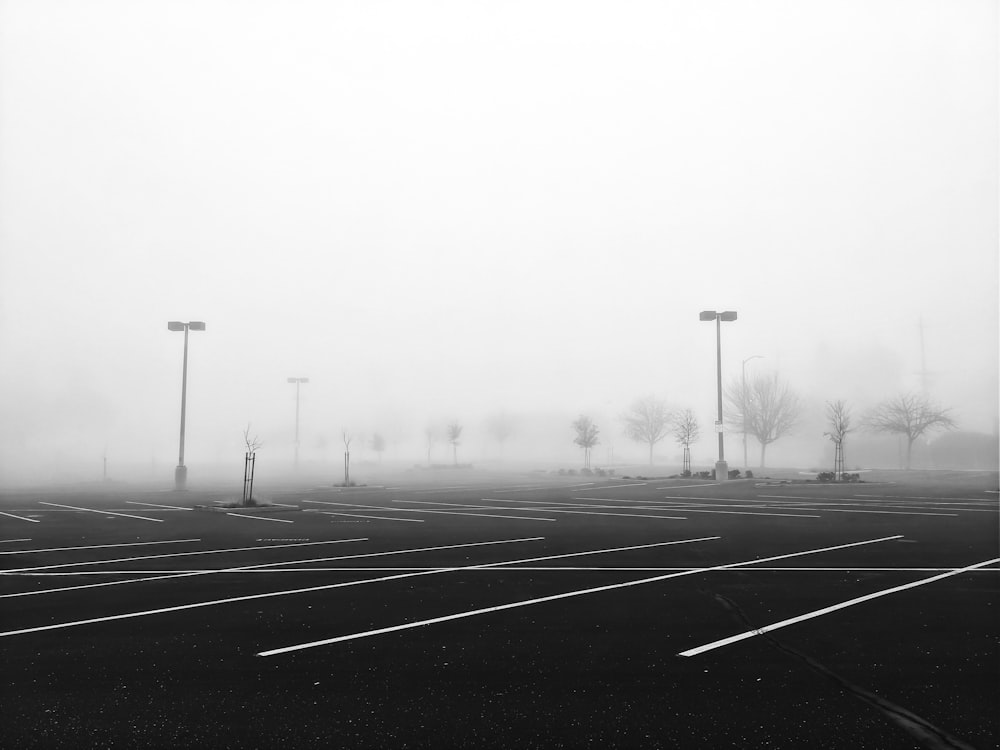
(919,668)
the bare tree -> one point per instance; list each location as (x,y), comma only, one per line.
(347,457)
(686,432)
(431,433)
(586,436)
(378,445)
(500,427)
(768,407)
(839,418)
(454,433)
(909,415)
(249,462)
(648,421)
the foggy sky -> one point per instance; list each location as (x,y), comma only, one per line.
(444,210)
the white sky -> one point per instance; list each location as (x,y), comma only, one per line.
(436,210)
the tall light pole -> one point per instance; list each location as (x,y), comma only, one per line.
(721,467)
(298,382)
(743,398)
(180,473)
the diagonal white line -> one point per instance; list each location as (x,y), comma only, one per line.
(556,597)
(379,518)
(273,594)
(96,546)
(158,505)
(265,565)
(427,510)
(102,512)
(20,518)
(260,518)
(172,554)
(828,610)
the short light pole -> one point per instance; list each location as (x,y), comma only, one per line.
(298,382)
(721,467)
(180,473)
(743,398)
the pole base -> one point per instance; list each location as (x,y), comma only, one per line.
(180,478)
(721,471)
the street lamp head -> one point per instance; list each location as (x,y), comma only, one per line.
(298,380)
(707,315)
(728,315)
(197,325)
(174,325)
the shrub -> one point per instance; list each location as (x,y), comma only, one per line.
(686,473)
(734,473)
(825,476)
(586,472)
(749,474)
(850,477)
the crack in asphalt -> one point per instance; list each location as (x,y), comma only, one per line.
(923,731)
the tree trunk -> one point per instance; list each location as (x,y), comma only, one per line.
(650,454)
(909,450)
(763,453)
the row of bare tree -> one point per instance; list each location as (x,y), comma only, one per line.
(767,409)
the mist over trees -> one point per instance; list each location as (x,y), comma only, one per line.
(910,415)
(586,436)
(454,433)
(647,421)
(763,406)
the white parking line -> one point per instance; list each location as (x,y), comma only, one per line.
(819,507)
(358,515)
(268,595)
(9,541)
(96,546)
(102,512)
(260,566)
(537,505)
(687,486)
(555,597)
(169,554)
(518,568)
(20,518)
(426,510)
(158,505)
(828,610)
(613,486)
(261,518)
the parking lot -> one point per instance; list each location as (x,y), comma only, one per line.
(492,611)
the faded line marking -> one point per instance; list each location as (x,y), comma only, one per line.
(20,518)
(10,541)
(380,518)
(102,512)
(687,486)
(98,546)
(828,610)
(260,518)
(427,510)
(543,507)
(157,505)
(555,597)
(613,486)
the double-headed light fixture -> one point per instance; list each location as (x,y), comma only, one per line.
(721,467)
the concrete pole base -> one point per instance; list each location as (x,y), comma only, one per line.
(721,470)
(180,478)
